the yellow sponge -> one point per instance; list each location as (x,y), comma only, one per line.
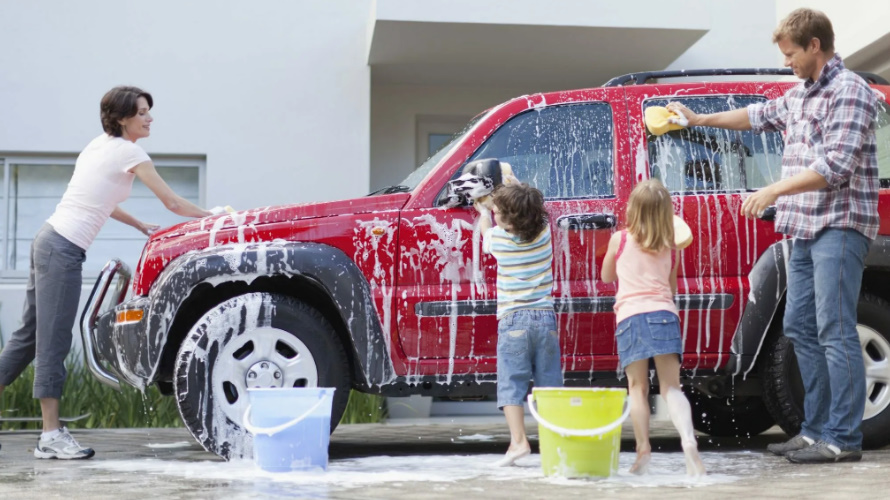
(682,233)
(660,121)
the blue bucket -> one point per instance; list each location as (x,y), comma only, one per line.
(291,427)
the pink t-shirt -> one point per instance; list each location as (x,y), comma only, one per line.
(644,280)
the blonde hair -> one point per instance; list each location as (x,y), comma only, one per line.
(802,25)
(650,216)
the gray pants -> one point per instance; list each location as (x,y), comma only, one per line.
(51,301)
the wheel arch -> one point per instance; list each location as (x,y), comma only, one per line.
(768,282)
(319,275)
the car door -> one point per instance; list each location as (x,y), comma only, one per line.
(565,146)
(709,171)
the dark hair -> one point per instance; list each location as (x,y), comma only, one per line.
(522,208)
(802,25)
(119,103)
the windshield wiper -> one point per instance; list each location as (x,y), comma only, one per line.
(392,189)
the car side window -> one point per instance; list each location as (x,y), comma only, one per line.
(708,159)
(565,151)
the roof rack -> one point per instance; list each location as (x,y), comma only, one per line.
(643,77)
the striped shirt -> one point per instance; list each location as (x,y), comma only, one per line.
(829,128)
(525,277)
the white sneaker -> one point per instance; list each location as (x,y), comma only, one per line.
(63,447)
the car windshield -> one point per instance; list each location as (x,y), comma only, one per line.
(421,172)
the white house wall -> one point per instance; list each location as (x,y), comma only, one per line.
(268,91)
(275,94)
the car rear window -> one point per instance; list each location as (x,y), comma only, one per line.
(708,159)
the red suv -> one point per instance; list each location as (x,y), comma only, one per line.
(390,293)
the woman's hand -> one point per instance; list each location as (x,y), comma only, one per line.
(148,229)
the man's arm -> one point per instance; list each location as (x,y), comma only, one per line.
(736,119)
(808,180)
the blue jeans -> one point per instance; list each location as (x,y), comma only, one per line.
(528,349)
(824,277)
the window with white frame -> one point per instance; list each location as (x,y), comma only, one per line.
(33,185)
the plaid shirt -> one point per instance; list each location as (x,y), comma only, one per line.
(830,129)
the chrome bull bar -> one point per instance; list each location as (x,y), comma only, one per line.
(90,316)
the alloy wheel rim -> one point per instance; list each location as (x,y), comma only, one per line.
(876,357)
(252,359)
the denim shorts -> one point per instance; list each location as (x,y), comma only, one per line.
(528,350)
(646,335)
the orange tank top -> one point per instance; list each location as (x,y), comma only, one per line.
(644,279)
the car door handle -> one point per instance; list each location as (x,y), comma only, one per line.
(769,214)
(586,221)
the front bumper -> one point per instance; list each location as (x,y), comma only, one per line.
(107,331)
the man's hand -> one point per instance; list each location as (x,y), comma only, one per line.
(693,119)
(754,205)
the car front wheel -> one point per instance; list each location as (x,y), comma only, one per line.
(253,340)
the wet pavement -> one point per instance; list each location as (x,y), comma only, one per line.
(423,459)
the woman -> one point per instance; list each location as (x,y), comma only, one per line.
(103,177)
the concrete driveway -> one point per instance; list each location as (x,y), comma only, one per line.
(423,459)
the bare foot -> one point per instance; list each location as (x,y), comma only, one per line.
(514,453)
(694,465)
(641,465)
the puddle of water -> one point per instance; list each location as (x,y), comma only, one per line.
(666,469)
(178,444)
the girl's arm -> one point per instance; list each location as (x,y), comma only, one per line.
(607,273)
(172,201)
(674,272)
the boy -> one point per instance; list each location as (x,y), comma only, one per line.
(528,343)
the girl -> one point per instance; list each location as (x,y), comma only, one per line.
(643,259)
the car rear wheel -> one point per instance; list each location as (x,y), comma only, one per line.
(783,388)
(253,340)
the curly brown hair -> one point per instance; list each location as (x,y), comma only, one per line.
(522,208)
(119,103)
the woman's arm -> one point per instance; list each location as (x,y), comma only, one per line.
(173,202)
(121,215)
(608,273)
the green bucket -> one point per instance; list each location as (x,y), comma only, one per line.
(579,429)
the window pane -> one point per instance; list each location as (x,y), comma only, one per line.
(36,189)
(436,141)
(565,151)
(707,159)
(34,192)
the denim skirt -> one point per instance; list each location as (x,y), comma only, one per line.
(646,335)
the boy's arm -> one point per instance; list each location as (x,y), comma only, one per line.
(484,225)
(607,273)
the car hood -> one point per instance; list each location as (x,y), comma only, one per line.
(283,213)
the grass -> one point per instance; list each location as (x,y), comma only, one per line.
(130,407)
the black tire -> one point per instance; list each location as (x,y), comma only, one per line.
(254,335)
(729,416)
(783,389)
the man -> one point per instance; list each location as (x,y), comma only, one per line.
(828,202)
